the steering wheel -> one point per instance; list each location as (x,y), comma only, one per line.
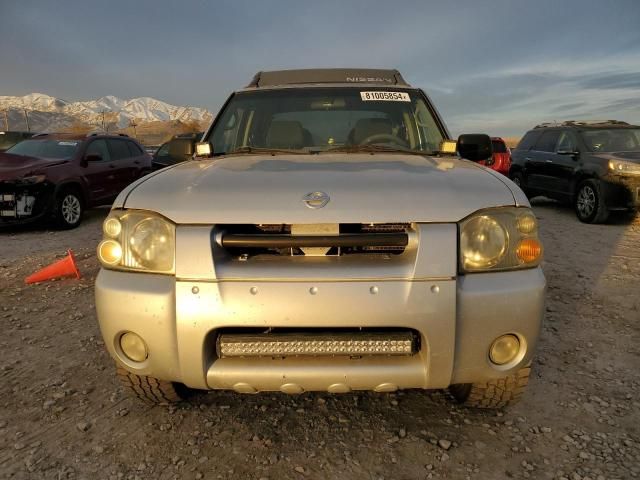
(380,137)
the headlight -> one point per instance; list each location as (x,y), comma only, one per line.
(484,242)
(624,168)
(137,240)
(32,179)
(499,239)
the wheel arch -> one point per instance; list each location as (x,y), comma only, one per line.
(75,185)
(580,177)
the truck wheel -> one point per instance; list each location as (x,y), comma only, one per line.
(151,390)
(68,208)
(496,393)
(589,203)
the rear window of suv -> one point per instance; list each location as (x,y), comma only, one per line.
(134,150)
(119,149)
(498,146)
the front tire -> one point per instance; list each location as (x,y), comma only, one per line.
(69,209)
(496,393)
(589,203)
(151,390)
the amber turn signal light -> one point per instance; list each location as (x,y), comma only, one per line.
(529,250)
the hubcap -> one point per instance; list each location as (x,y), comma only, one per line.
(586,201)
(71,209)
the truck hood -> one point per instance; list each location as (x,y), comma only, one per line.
(17,166)
(362,188)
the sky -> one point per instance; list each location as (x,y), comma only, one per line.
(497,67)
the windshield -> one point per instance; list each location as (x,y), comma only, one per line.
(8,139)
(313,120)
(612,139)
(45,148)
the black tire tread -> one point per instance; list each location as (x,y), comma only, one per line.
(496,393)
(57,216)
(602,212)
(149,389)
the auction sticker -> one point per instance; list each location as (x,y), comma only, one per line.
(385,97)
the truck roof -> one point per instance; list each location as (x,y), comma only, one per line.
(370,76)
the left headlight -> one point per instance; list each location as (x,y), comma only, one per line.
(624,168)
(139,241)
(499,239)
(31,179)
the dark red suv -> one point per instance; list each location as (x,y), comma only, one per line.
(59,175)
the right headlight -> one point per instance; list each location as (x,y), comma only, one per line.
(499,239)
(138,240)
(624,168)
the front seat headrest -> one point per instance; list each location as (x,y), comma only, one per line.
(285,134)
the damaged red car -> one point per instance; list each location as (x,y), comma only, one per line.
(57,176)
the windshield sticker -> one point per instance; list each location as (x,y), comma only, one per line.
(385,97)
(68,144)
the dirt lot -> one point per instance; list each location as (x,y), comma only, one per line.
(62,414)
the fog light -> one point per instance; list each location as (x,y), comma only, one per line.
(504,349)
(133,347)
(112,227)
(109,252)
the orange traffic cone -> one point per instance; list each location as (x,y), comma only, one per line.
(62,268)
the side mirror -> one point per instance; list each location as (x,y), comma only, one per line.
(475,146)
(181,148)
(93,157)
(203,149)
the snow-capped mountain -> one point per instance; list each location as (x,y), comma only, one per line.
(55,113)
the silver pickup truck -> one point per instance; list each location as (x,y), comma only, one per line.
(327,236)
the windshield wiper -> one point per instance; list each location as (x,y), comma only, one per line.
(373,148)
(248,149)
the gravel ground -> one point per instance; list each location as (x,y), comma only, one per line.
(63,415)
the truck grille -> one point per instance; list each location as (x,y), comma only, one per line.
(244,241)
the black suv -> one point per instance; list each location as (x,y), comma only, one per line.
(593,165)
(179,149)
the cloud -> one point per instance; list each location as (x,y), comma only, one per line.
(499,69)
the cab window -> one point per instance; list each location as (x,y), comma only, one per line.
(320,119)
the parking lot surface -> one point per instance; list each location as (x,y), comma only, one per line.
(63,414)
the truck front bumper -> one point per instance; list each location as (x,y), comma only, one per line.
(456,319)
